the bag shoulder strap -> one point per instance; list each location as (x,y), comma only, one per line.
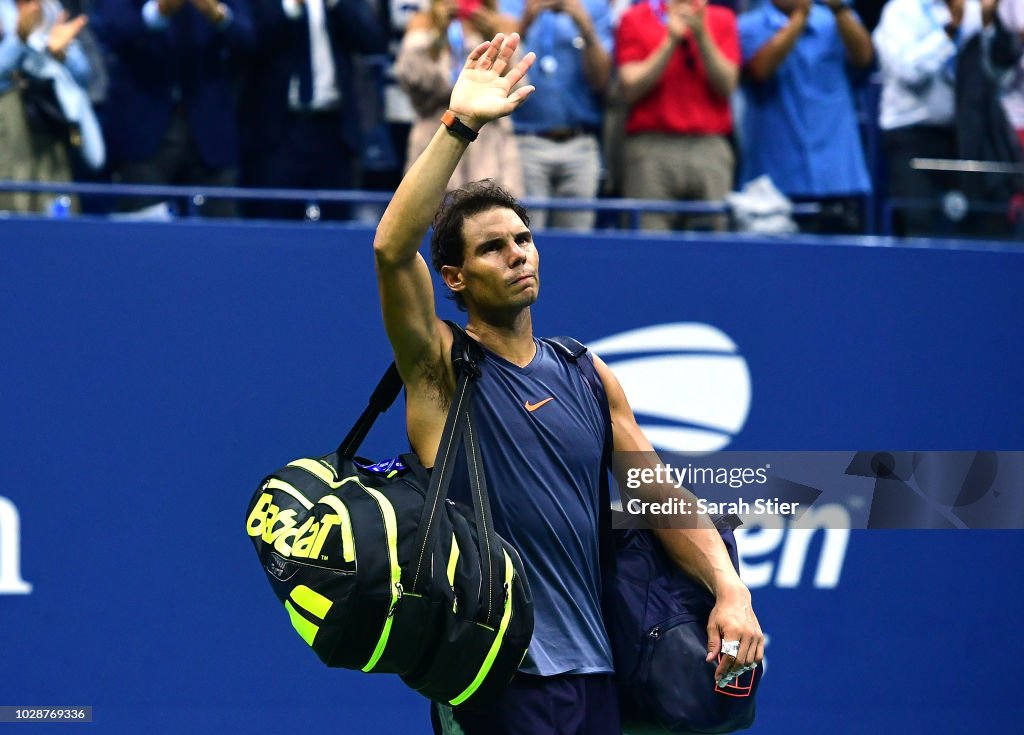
(467,354)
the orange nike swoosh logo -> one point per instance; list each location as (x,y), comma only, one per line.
(531,407)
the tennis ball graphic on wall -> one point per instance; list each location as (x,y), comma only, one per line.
(687,383)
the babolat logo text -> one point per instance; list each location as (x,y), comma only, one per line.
(11,582)
(278,527)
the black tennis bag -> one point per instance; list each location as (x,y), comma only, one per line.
(379,572)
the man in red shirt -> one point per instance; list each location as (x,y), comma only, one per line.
(678,64)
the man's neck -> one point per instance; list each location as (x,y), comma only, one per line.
(512,340)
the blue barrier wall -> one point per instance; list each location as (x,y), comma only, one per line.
(152,373)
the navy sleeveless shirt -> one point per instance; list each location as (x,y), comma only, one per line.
(541,435)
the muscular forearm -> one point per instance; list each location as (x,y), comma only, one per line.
(638,78)
(411,211)
(855,37)
(723,75)
(701,554)
(769,57)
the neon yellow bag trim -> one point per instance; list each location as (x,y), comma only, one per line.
(304,628)
(496,644)
(391,528)
(319,469)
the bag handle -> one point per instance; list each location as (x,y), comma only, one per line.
(383,396)
(458,430)
(466,355)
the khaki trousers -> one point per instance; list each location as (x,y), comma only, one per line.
(668,166)
(28,155)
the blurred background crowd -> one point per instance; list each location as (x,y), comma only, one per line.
(837,102)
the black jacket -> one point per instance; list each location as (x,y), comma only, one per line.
(983,131)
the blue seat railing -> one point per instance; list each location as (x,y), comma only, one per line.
(195,197)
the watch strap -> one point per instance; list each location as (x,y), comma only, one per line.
(457,127)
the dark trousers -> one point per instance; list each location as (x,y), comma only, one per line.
(177,163)
(585,704)
(310,154)
(920,141)
(838,216)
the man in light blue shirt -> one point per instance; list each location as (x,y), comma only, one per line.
(558,128)
(800,124)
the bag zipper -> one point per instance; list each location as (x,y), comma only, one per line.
(652,636)
(387,512)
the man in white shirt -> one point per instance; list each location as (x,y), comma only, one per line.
(917,43)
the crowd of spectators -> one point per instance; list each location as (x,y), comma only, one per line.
(650,99)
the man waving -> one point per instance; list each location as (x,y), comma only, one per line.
(539,427)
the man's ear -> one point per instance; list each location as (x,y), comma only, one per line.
(452,276)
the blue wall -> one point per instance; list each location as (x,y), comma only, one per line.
(150,374)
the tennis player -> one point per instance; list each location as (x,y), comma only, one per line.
(540,429)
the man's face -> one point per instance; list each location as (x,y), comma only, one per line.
(500,264)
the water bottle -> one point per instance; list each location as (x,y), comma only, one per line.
(60,207)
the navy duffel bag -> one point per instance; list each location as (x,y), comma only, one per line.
(658,629)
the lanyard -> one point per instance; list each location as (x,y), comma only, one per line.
(660,9)
(456,41)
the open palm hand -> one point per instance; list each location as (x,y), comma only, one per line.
(484,89)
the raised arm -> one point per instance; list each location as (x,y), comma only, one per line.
(483,92)
(911,51)
(639,78)
(769,57)
(859,51)
(700,552)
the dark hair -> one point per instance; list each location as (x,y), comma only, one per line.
(446,243)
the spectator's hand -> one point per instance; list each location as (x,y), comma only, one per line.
(212,10)
(675,21)
(442,12)
(988,11)
(63,33)
(576,10)
(533,8)
(483,91)
(168,8)
(30,15)
(485,19)
(956,16)
(693,13)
